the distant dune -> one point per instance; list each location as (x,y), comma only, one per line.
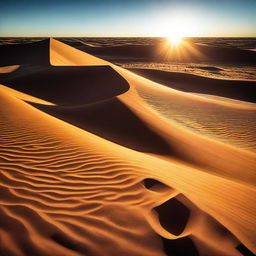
(240,90)
(98,160)
(190,52)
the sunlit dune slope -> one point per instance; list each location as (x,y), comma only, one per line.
(122,169)
(24,96)
(224,120)
(60,184)
(8,69)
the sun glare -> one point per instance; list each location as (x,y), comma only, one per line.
(175,39)
(177,26)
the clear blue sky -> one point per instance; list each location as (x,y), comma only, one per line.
(127,18)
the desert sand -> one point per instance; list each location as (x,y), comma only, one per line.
(99,160)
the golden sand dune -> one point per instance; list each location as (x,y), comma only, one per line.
(120,171)
(222,120)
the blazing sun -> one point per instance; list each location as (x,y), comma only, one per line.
(178,26)
(174,40)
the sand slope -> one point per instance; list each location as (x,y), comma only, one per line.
(240,90)
(120,171)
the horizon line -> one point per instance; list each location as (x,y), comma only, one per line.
(124,36)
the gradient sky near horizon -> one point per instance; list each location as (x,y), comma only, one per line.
(127,18)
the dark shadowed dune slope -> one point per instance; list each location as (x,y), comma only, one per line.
(114,121)
(36,53)
(68,85)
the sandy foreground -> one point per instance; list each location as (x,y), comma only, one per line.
(99,160)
